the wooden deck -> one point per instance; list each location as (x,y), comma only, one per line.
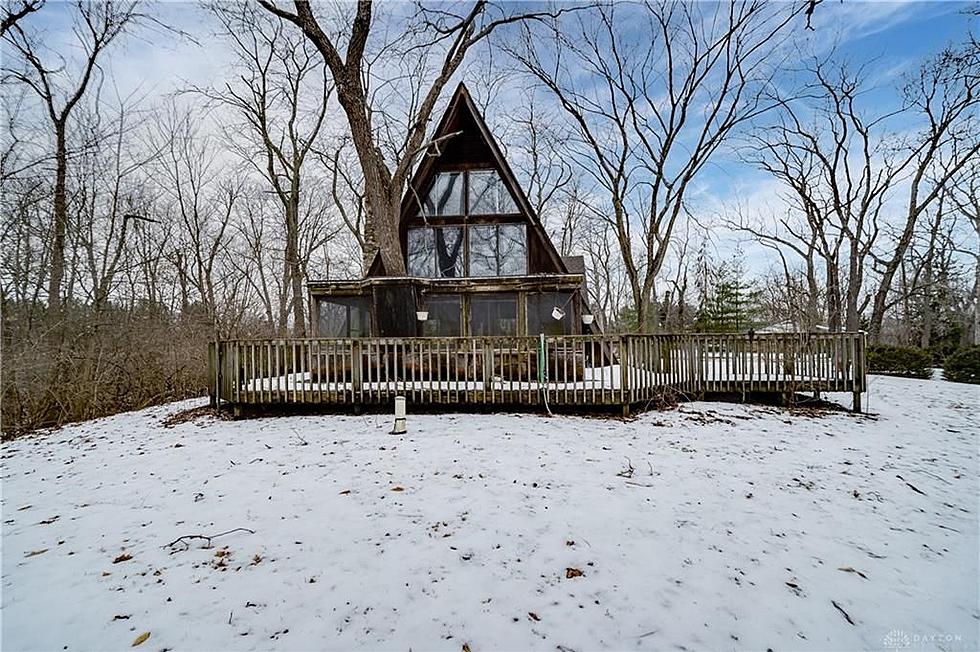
(586,372)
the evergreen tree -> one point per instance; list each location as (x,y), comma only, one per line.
(730,303)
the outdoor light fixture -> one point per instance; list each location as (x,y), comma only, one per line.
(400,421)
(587,319)
(422,315)
(558,313)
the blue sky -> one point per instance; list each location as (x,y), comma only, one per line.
(890,37)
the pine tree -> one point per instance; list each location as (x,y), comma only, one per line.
(730,303)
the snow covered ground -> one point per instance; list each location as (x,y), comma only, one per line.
(739,527)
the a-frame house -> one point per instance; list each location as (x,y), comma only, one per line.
(479,261)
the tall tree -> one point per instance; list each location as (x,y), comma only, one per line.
(97,25)
(965,196)
(652,106)
(846,166)
(945,96)
(281,98)
(439,34)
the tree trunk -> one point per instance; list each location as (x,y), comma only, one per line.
(59,223)
(976,304)
(293,276)
(834,320)
(382,194)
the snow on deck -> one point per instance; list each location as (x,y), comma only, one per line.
(740,527)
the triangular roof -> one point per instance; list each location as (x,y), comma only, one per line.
(462,110)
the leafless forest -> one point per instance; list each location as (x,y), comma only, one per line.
(140,221)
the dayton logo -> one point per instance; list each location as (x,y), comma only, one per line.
(897,639)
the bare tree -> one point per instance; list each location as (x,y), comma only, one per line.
(14,12)
(97,25)
(282,97)
(202,201)
(844,167)
(431,34)
(965,196)
(945,94)
(838,165)
(651,112)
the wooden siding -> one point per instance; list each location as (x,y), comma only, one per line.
(575,370)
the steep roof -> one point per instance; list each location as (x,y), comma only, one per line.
(462,137)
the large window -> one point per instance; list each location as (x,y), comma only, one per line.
(498,250)
(345,317)
(541,313)
(435,252)
(488,195)
(493,314)
(445,197)
(491,250)
(445,316)
(494,250)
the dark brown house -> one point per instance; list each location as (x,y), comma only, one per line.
(479,261)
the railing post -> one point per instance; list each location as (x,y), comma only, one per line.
(543,371)
(625,392)
(212,375)
(357,366)
(859,379)
(487,371)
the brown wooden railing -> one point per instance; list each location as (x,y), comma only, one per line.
(586,371)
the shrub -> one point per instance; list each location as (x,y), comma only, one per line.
(907,361)
(963,366)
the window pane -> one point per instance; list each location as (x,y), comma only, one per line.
(345,317)
(539,313)
(512,253)
(445,197)
(488,195)
(483,250)
(333,319)
(493,314)
(421,252)
(445,316)
(449,251)
(360,319)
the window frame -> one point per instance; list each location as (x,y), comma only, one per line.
(503,186)
(463,195)
(363,304)
(498,297)
(536,309)
(464,221)
(445,298)
(434,268)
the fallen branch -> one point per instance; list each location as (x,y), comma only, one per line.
(628,471)
(841,609)
(910,485)
(185,539)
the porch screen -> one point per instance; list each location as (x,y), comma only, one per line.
(345,317)
(435,252)
(445,316)
(539,313)
(493,314)
(498,250)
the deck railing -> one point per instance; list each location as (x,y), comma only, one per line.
(585,371)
